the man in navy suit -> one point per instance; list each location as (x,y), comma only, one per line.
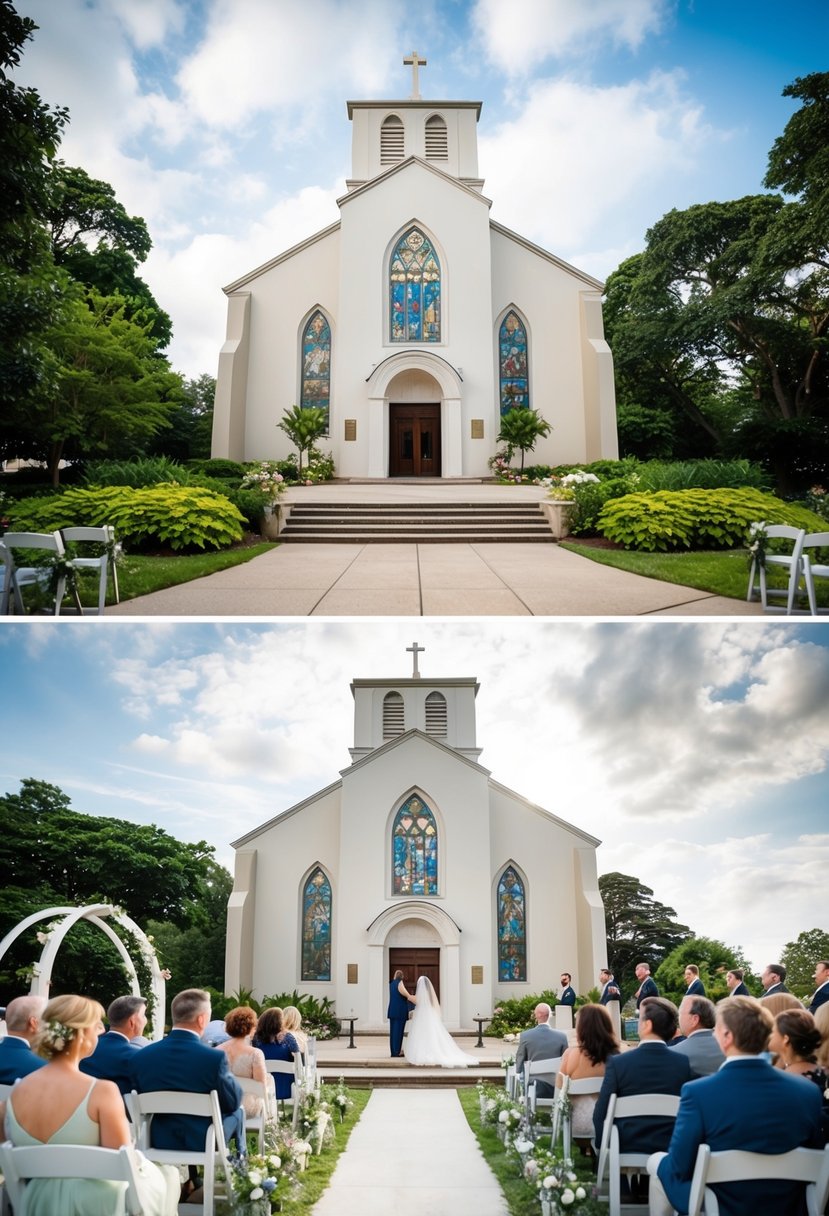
(182,1062)
(746,1105)
(821,995)
(734,983)
(650,1068)
(610,989)
(113,1058)
(695,984)
(22,1024)
(774,979)
(647,986)
(568,993)
(398,1013)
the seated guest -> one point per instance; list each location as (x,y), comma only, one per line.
(292,1022)
(215,1033)
(541,1042)
(794,1041)
(59,1105)
(595,1042)
(650,1068)
(276,1043)
(734,982)
(113,1057)
(244,1060)
(697,1016)
(22,1024)
(182,1062)
(778,1001)
(746,1105)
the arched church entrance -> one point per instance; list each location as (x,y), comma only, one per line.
(428,942)
(414,424)
(414,962)
(415,414)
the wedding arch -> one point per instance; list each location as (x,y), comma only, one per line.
(98,915)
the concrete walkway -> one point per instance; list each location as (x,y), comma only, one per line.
(412,1154)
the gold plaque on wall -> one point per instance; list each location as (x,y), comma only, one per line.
(351,973)
(350,428)
(477,428)
(477,975)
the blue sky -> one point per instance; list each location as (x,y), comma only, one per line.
(223,122)
(696,752)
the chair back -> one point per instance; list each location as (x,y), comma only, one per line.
(20,1165)
(809,1165)
(101,536)
(48,542)
(611,1160)
(103,540)
(256,1123)
(143,1107)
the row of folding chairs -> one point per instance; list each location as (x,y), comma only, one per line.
(14,578)
(797,563)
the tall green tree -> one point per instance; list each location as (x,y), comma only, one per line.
(801,956)
(190,433)
(639,928)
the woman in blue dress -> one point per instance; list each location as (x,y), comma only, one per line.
(276,1043)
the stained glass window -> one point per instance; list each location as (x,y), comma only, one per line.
(512,928)
(414,290)
(316,363)
(414,850)
(316,927)
(514,384)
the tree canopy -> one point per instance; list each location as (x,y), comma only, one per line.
(639,928)
(802,956)
(714,960)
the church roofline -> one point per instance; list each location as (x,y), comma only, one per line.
(408,735)
(286,814)
(370,182)
(542,810)
(281,257)
(414,104)
(545,253)
(411,682)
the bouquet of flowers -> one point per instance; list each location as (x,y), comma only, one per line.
(265,478)
(255,1178)
(558,1187)
(339,1098)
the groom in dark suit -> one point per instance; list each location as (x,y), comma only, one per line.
(746,1105)
(399,1009)
(182,1062)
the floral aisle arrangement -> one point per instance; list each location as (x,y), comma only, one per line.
(254,1184)
(339,1097)
(314,1122)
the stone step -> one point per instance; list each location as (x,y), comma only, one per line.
(415,523)
(416,538)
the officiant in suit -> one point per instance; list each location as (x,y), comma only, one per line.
(113,1058)
(540,1043)
(182,1062)
(400,1002)
(746,1105)
(22,1024)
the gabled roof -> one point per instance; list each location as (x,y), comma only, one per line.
(399,167)
(281,257)
(287,814)
(398,740)
(548,257)
(541,810)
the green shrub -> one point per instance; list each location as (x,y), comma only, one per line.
(227,470)
(248,502)
(148,471)
(702,475)
(695,519)
(516,1014)
(183,517)
(591,496)
(602,469)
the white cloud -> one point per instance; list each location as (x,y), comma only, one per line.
(520,35)
(149,22)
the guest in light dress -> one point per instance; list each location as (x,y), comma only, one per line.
(595,1042)
(243,1059)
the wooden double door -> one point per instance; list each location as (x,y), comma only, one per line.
(415,962)
(414,440)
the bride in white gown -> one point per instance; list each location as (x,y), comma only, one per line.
(428,1041)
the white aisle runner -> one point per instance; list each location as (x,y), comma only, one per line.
(412,1154)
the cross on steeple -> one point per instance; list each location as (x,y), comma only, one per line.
(415,63)
(414,650)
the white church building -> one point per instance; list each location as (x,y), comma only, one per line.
(415,320)
(416,857)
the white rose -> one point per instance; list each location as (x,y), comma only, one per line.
(503,1117)
(567,1197)
(257,1193)
(275,1161)
(581,1193)
(255,1177)
(549,1182)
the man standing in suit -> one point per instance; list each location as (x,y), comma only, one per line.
(181,1062)
(22,1024)
(113,1058)
(568,993)
(734,983)
(540,1043)
(695,984)
(821,995)
(610,989)
(774,979)
(647,986)
(697,1016)
(398,1013)
(650,1068)
(746,1105)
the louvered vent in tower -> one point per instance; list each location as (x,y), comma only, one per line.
(391,140)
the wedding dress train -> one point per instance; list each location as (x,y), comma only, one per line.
(428,1042)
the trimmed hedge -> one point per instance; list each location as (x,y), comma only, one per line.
(696,519)
(183,517)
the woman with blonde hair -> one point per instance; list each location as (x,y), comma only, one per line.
(778,1001)
(243,1059)
(58,1104)
(292,1021)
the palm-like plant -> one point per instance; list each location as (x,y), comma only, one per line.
(303,425)
(522,428)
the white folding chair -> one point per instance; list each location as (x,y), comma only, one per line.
(5,1090)
(562,1110)
(256,1123)
(21,1165)
(290,1068)
(613,1162)
(809,1165)
(143,1108)
(813,570)
(11,580)
(539,1070)
(792,561)
(103,537)
(47,542)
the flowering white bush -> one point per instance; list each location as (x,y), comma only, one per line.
(267,479)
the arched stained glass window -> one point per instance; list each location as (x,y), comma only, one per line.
(414,290)
(512,928)
(316,927)
(513,378)
(414,850)
(316,363)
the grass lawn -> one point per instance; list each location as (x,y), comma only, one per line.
(722,572)
(298,1200)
